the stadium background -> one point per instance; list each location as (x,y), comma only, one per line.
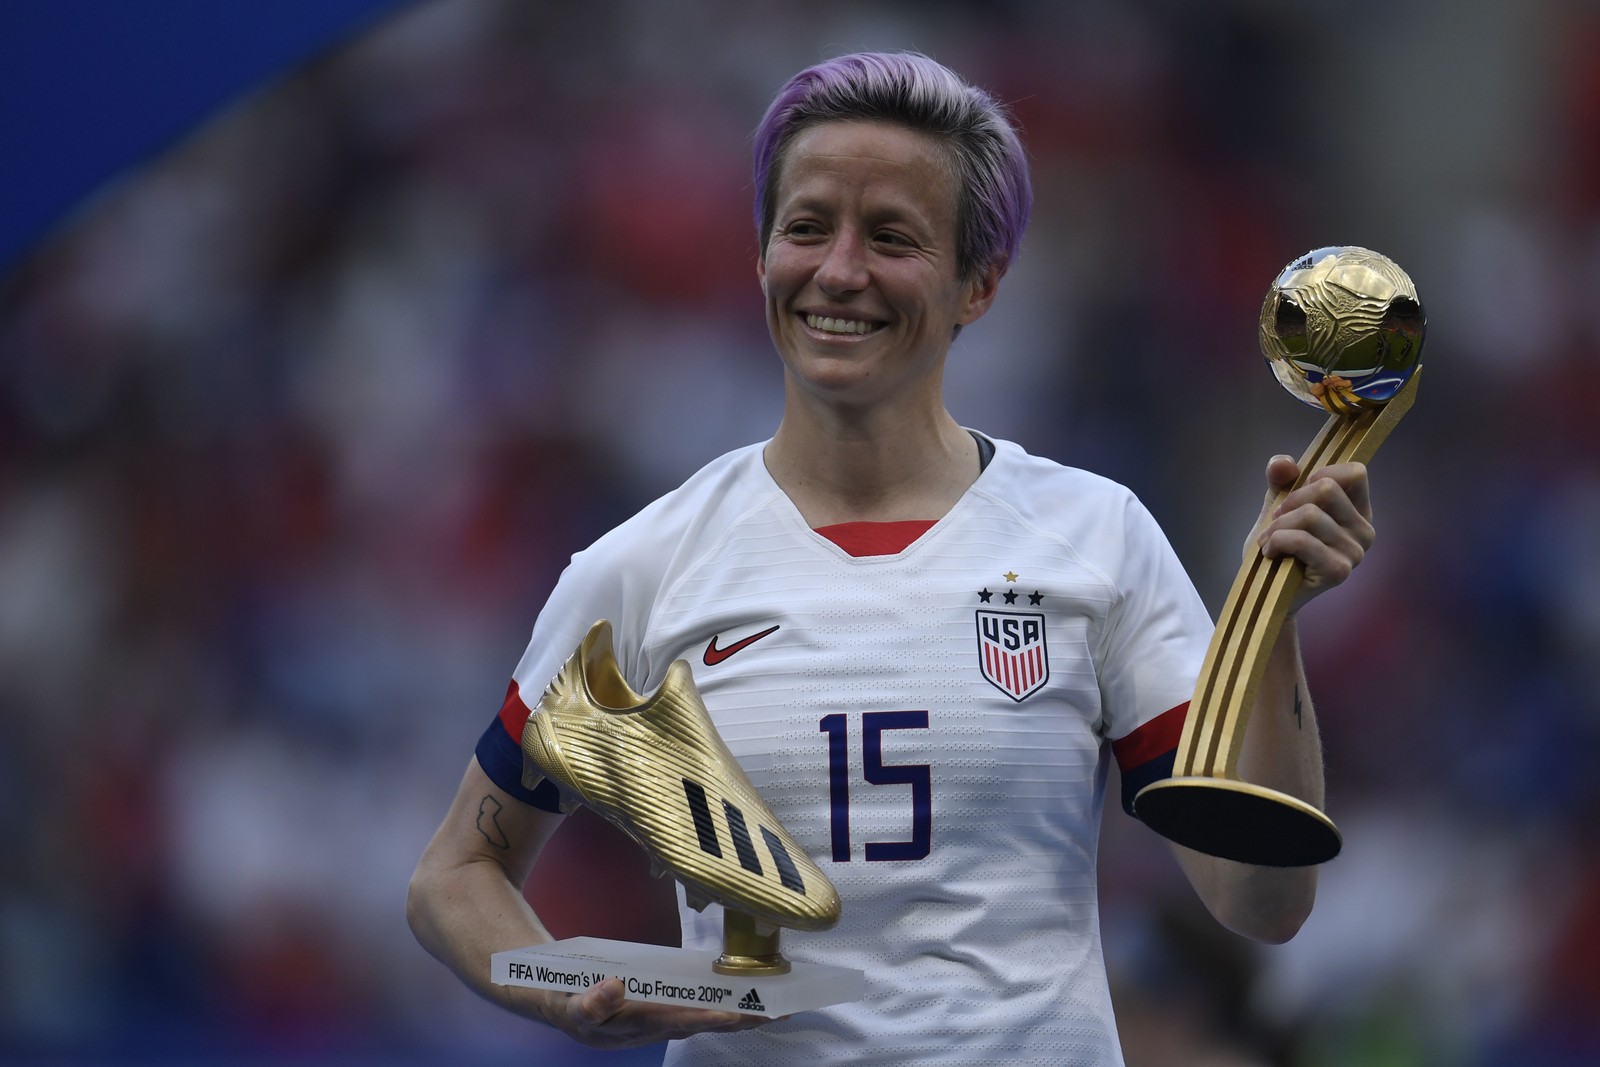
(300,418)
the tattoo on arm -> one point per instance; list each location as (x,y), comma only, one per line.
(489,819)
(1297,708)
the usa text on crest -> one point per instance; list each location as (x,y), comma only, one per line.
(1011,651)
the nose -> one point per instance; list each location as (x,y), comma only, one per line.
(844,265)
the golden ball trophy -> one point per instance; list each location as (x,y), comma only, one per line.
(1342,329)
(656,768)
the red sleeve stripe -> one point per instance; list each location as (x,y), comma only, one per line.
(513,713)
(1155,738)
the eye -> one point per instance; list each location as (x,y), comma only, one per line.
(893,239)
(801,228)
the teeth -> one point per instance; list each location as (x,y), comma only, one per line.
(829,325)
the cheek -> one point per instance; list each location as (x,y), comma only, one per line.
(779,277)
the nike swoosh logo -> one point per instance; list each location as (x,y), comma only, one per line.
(715,655)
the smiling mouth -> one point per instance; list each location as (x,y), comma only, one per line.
(843,327)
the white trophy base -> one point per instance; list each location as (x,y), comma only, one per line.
(681,976)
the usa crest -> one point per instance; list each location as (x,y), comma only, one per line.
(1012,653)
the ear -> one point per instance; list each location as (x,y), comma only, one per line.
(980,292)
(761,272)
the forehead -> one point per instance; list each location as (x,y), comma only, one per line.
(872,162)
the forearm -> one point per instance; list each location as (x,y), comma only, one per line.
(464,914)
(1282,747)
(465,903)
(465,900)
(1281,751)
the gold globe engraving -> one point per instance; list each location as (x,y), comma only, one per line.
(1342,328)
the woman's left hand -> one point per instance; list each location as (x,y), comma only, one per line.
(1326,523)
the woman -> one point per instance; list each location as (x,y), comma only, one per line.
(880,550)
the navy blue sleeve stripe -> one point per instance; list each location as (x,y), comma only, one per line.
(1151,770)
(501,759)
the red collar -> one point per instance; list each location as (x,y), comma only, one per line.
(876,538)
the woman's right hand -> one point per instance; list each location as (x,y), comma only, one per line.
(601,1017)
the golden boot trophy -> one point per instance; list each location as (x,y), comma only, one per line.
(656,768)
(1342,328)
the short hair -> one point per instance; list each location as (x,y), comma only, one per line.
(908,89)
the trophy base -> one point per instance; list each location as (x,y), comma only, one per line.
(1238,821)
(685,977)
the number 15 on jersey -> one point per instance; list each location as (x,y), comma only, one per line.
(872,771)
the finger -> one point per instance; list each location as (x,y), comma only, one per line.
(1281,474)
(1318,494)
(602,1016)
(667,1022)
(1353,479)
(1282,470)
(1322,548)
(1329,519)
(597,1004)
(1326,498)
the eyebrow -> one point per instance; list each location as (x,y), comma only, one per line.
(875,214)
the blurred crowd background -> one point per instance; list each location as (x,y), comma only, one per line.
(299,423)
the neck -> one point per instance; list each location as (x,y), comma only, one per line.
(878,468)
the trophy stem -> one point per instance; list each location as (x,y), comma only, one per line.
(1203,805)
(749,946)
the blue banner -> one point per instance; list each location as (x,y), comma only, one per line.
(90,89)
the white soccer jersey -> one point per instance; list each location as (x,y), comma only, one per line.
(932,727)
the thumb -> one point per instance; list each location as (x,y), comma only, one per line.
(599,1002)
(1282,472)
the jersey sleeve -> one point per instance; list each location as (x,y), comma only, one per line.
(583,595)
(1155,644)
(611,581)
(499,753)
(1148,753)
